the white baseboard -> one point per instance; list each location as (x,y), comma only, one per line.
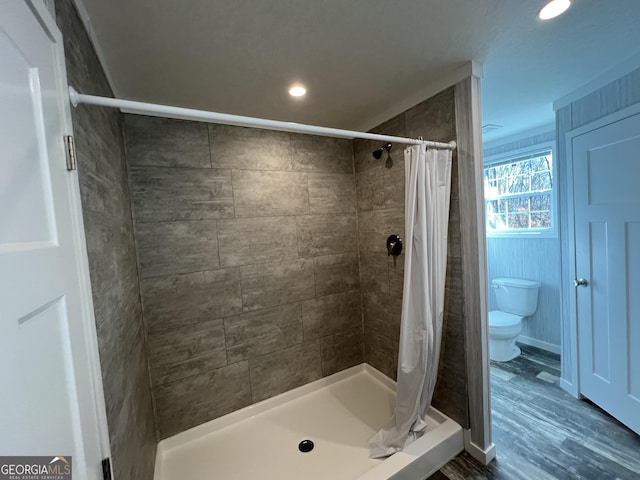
(485,456)
(549,347)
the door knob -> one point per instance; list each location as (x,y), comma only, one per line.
(580,282)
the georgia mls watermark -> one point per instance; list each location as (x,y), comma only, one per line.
(35,468)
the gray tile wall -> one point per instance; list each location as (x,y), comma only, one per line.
(380,203)
(247,248)
(247,245)
(112,259)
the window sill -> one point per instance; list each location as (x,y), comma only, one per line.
(538,234)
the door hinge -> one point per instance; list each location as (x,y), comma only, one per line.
(106,469)
(70,152)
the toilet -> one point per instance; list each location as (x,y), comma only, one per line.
(516,299)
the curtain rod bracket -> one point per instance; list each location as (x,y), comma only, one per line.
(73,96)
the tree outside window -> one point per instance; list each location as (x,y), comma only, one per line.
(519,194)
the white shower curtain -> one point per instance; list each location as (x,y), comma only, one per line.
(427,195)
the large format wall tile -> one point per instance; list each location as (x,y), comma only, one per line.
(393,183)
(332,314)
(285,369)
(266,285)
(374,272)
(169,372)
(381,352)
(245,241)
(180,352)
(363,154)
(228,254)
(331,193)
(376,225)
(161,142)
(382,186)
(173,301)
(380,196)
(362,149)
(249,148)
(285,217)
(101,193)
(420,119)
(106,209)
(118,360)
(453,286)
(324,234)
(168,248)
(313,153)
(342,350)
(125,379)
(370,188)
(336,273)
(166,194)
(257,333)
(382,312)
(397,126)
(448,395)
(111,254)
(396,275)
(188,402)
(261,194)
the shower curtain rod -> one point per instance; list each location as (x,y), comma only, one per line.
(238,120)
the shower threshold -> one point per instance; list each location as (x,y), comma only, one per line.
(338,414)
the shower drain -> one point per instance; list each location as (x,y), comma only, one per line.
(305,446)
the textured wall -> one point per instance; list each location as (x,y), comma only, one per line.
(617,95)
(247,250)
(532,259)
(112,259)
(380,199)
(503,147)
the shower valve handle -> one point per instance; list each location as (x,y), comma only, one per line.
(394,245)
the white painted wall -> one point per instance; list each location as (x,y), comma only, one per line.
(530,258)
(613,97)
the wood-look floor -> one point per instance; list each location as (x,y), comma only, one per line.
(541,432)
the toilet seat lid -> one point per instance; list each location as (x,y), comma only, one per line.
(503,319)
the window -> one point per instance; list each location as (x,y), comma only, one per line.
(519,194)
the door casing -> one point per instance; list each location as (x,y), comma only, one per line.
(569,291)
(46,19)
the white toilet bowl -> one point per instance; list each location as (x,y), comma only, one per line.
(517,299)
(504,329)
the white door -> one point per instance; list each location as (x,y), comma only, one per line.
(606,175)
(51,401)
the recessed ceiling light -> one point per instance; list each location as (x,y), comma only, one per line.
(553,9)
(297,90)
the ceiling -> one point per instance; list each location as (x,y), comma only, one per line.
(362,60)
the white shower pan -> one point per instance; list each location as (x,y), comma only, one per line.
(338,413)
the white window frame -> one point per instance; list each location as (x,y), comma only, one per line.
(514,156)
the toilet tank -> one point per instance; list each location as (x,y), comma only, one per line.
(516,296)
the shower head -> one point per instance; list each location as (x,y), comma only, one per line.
(377,154)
